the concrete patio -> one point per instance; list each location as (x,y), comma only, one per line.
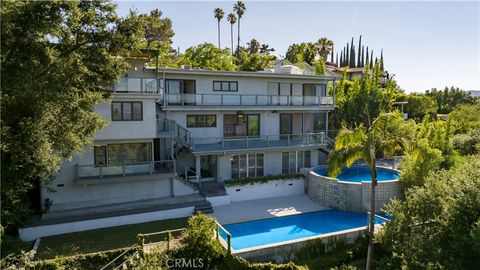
(265,208)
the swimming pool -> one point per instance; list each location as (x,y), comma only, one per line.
(275,230)
(359,174)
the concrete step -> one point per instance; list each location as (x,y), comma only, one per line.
(205,208)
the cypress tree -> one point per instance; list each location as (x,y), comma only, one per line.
(341,59)
(367,60)
(352,56)
(359,59)
(381,59)
(347,58)
(371,59)
(363,57)
(336,60)
(331,54)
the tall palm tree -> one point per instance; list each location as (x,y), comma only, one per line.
(325,47)
(232,19)
(387,135)
(240,9)
(218,12)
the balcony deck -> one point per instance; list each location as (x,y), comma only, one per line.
(207,145)
(185,100)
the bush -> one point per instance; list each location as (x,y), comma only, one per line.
(261,179)
(438,224)
(469,143)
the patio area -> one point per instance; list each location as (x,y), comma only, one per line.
(265,208)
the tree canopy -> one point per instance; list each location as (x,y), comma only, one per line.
(438,224)
(448,99)
(57,59)
(208,56)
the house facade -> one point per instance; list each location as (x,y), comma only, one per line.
(171,129)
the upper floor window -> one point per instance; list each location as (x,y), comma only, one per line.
(201,121)
(127,111)
(225,86)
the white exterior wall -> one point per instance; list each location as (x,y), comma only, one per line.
(67,194)
(271,189)
(147,128)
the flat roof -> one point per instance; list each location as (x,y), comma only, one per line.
(246,73)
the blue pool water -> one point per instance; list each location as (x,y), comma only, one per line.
(274,230)
(359,174)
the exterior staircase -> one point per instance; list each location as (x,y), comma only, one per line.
(205,208)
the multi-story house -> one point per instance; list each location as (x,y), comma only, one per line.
(172,129)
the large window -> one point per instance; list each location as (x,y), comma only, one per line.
(247,165)
(127,111)
(129,153)
(201,121)
(225,86)
(100,155)
(292,162)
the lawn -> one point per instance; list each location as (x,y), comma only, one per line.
(102,239)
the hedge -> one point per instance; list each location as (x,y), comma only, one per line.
(261,179)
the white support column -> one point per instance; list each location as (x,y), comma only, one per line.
(197,166)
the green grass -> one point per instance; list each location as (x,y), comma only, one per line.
(102,239)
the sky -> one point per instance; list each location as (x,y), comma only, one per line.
(425,44)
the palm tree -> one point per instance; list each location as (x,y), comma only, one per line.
(232,19)
(240,9)
(324,46)
(218,12)
(387,135)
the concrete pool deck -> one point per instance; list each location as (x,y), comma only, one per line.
(265,208)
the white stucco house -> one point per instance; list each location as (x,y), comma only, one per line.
(173,130)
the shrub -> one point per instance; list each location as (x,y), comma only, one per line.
(261,179)
(469,143)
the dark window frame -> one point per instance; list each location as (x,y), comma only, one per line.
(105,159)
(221,88)
(131,110)
(196,125)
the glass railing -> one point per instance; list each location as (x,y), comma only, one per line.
(127,169)
(136,85)
(244,100)
(257,142)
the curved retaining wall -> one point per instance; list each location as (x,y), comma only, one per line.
(349,196)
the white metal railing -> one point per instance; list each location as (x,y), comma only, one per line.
(100,171)
(245,100)
(254,142)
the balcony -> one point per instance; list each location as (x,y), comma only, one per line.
(244,100)
(258,142)
(136,85)
(83,172)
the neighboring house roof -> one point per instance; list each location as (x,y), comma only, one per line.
(474,93)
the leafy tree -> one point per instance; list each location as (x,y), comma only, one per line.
(207,56)
(438,224)
(319,66)
(254,61)
(240,9)
(157,29)
(307,51)
(218,14)
(449,99)
(469,143)
(253,46)
(387,135)
(419,105)
(360,101)
(465,117)
(265,49)
(232,19)
(58,57)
